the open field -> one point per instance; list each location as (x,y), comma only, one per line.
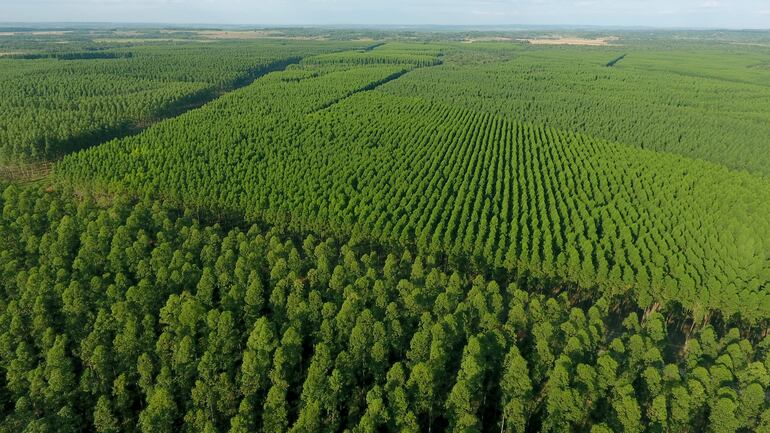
(36,33)
(488,39)
(141,40)
(253,34)
(597,42)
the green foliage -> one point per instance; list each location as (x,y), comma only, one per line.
(311,149)
(54,106)
(473,265)
(709,103)
(160,338)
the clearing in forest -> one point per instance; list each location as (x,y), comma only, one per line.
(252,34)
(596,42)
(488,39)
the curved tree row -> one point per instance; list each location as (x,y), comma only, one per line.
(489,193)
(707,104)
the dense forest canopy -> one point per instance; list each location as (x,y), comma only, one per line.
(314,147)
(135,317)
(711,104)
(52,102)
(384,230)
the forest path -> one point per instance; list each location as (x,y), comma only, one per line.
(368,87)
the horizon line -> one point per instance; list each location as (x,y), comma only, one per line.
(506,27)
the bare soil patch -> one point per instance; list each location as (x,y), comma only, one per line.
(750,44)
(38,33)
(26,172)
(141,40)
(488,39)
(597,42)
(51,33)
(252,34)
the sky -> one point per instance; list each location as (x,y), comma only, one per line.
(655,13)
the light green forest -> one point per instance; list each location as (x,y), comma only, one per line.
(349,231)
(53,103)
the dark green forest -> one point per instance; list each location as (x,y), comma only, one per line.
(136,317)
(375,231)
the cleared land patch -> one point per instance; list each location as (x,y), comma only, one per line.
(596,42)
(41,33)
(488,39)
(254,34)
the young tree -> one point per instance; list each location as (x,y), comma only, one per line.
(160,414)
(104,420)
(516,390)
(466,396)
